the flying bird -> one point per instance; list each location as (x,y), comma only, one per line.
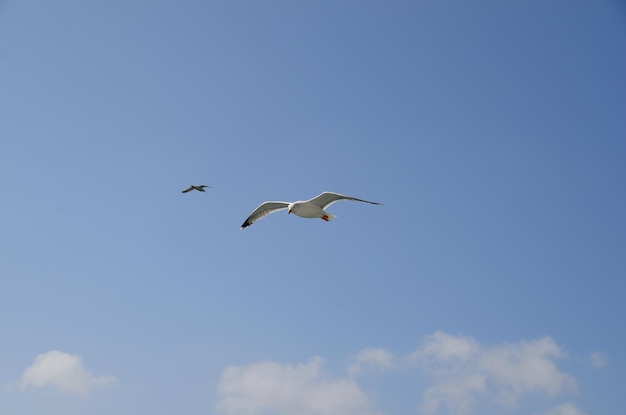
(313,208)
(198,188)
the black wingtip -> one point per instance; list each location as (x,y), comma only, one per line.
(245,224)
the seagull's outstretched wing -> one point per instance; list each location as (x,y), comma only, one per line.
(262,211)
(189,189)
(328,198)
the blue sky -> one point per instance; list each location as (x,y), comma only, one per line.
(491,280)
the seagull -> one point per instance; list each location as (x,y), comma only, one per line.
(198,188)
(312,208)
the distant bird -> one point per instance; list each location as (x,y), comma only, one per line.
(313,208)
(198,188)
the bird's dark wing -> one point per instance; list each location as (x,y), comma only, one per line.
(198,188)
(262,211)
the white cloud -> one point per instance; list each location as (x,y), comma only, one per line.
(288,390)
(377,359)
(462,374)
(462,370)
(61,371)
(565,409)
(456,393)
(443,346)
(597,359)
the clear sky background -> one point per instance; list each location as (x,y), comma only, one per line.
(492,281)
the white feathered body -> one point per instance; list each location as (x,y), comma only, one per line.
(308,210)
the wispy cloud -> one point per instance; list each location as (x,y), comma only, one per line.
(462,370)
(565,409)
(368,359)
(597,359)
(288,389)
(60,371)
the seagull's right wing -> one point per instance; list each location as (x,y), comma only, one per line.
(262,211)
(189,189)
(328,198)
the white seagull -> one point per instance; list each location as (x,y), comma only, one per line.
(198,188)
(313,208)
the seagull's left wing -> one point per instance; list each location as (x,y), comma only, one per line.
(328,198)
(262,211)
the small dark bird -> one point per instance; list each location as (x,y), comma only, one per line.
(198,188)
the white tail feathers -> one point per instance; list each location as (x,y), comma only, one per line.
(328,216)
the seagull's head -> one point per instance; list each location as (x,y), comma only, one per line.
(291,207)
